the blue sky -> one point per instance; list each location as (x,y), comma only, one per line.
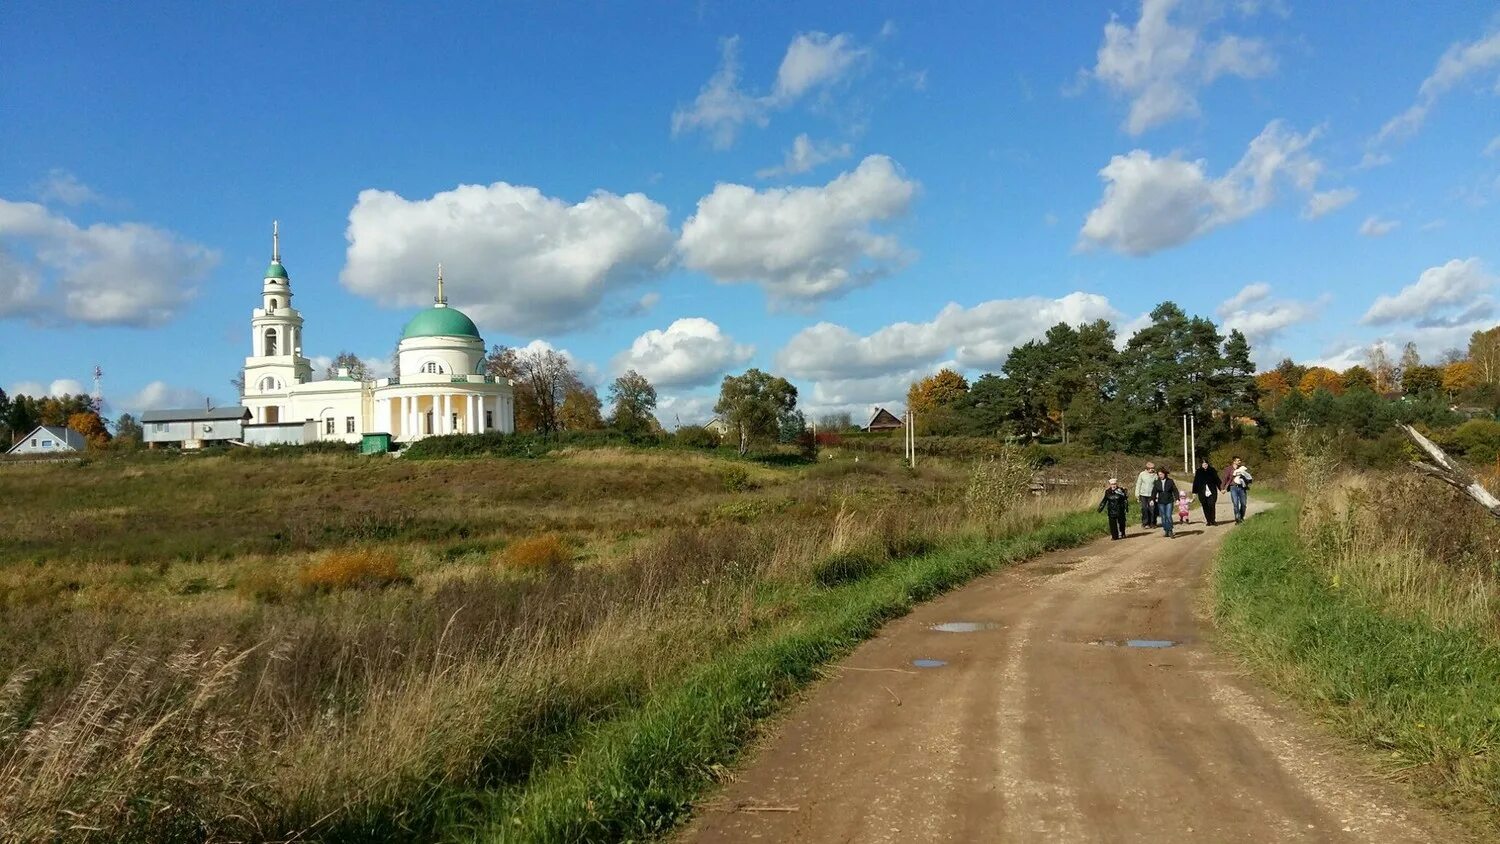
(849,194)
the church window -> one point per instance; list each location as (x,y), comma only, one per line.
(455,423)
(489,419)
(270,342)
(275,304)
(348,424)
(328,425)
(432,367)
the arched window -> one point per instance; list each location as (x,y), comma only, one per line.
(432,367)
(270,341)
(275,304)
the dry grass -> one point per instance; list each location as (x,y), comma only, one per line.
(1407,544)
(352,568)
(543,551)
(212,698)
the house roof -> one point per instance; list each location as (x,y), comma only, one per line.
(212,414)
(879,412)
(75,440)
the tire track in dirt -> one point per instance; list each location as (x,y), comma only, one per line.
(1045,725)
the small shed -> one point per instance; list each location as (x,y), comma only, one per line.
(194,428)
(375,443)
(884,420)
(49,439)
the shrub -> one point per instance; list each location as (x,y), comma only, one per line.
(351,568)
(696,436)
(262,586)
(541,551)
(996,484)
(737,479)
(1479,440)
(847,566)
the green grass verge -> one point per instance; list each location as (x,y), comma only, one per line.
(1428,698)
(636,776)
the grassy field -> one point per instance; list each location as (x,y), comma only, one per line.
(1382,620)
(246,647)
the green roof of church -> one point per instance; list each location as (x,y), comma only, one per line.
(440,322)
(276,270)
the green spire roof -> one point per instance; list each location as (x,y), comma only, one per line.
(440,321)
(276,270)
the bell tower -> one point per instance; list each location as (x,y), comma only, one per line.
(275,362)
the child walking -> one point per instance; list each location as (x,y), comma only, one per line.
(1182,508)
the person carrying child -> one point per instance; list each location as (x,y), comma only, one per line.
(1237,479)
(1117,501)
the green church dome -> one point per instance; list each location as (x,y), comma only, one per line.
(440,322)
(276,270)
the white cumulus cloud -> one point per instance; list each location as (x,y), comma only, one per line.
(1152,203)
(976,337)
(160,395)
(1459,63)
(801,244)
(1328,201)
(513,258)
(688,353)
(1437,290)
(1160,63)
(1253,312)
(53,270)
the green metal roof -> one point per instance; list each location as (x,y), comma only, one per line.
(276,270)
(440,322)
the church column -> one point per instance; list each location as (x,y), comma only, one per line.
(473,426)
(447,413)
(406,418)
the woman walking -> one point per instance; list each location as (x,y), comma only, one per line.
(1206,487)
(1237,480)
(1164,498)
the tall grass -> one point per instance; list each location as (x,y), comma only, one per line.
(400,686)
(1375,598)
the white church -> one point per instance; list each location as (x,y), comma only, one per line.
(441,387)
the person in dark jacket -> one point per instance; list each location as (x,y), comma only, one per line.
(1117,502)
(1206,487)
(1164,498)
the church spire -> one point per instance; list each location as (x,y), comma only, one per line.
(275,242)
(441,300)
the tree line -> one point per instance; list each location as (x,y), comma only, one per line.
(1076,385)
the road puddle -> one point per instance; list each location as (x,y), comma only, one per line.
(1136,643)
(964,626)
(929,663)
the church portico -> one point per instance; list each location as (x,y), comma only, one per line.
(441,388)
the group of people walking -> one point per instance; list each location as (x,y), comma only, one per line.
(1159,496)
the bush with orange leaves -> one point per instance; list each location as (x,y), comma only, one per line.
(542,551)
(351,568)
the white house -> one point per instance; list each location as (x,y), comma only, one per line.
(193,428)
(49,439)
(441,389)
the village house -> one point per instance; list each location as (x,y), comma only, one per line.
(49,439)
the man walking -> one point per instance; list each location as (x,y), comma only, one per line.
(1143,484)
(1117,502)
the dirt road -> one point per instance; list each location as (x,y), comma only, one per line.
(1073,698)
